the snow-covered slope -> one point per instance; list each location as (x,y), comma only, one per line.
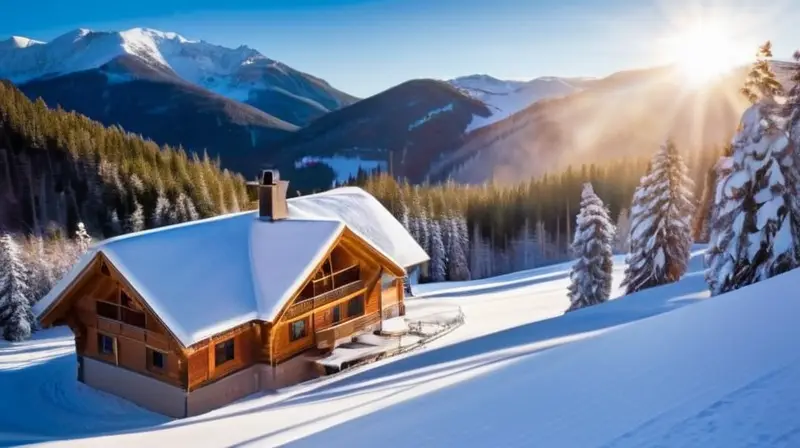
(242,73)
(663,367)
(504,98)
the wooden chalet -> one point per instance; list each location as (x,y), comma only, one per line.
(187,318)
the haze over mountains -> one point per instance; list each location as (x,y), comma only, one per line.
(253,111)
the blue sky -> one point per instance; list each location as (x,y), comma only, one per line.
(365,46)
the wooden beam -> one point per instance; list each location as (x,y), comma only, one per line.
(49,314)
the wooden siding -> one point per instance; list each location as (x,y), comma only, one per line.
(202,367)
(132,344)
(285,347)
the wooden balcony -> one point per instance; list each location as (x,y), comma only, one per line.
(327,337)
(133,332)
(327,290)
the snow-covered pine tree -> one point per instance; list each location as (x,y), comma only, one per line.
(135,222)
(438,262)
(591,274)
(16,318)
(161,212)
(457,263)
(752,229)
(190,209)
(82,237)
(790,162)
(463,232)
(622,242)
(661,216)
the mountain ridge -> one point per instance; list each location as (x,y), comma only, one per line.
(241,74)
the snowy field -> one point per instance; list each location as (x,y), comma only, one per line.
(625,374)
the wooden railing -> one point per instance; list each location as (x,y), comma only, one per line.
(118,328)
(324,298)
(327,337)
(336,280)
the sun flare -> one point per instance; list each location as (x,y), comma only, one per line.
(703,52)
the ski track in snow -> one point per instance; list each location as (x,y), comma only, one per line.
(508,325)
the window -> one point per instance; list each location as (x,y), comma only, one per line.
(297,330)
(107,310)
(157,359)
(336,314)
(355,307)
(105,344)
(104,270)
(223,352)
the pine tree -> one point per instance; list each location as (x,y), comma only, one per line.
(161,213)
(591,274)
(661,214)
(438,261)
(135,222)
(790,162)
(622,243)
(187,208)
(753,229)
(83,238)
(457,263)
(16,317)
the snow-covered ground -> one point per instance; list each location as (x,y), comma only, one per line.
(719,373)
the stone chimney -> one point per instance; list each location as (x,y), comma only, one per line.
(272,204)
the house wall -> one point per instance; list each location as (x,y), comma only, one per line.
(202,367)
(392,300)
(253,379)
(142,390)
(281,339)
(131,344)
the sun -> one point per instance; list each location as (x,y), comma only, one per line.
(704,52)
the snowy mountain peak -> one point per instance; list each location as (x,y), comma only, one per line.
(18,42)
(84,49)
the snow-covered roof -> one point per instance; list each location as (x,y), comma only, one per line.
(207,276)
(364,215)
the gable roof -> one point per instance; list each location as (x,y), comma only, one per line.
(364,215)
(208,276)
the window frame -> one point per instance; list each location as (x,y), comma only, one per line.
(151,357)
(336,314)
(227,348)
(292,336)
(363,306)
(101,337)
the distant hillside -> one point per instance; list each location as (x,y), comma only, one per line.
(505,98)
(59,168)
(626,114)
(405,128)
(168,110)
